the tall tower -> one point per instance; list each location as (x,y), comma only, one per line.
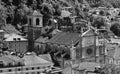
(35,23)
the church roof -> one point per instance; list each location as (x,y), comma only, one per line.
(64,38)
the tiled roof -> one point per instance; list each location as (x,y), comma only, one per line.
(42,39)
(10,59)
(10,29)
(6,60)
(12,36)
(15,58)
(89,66)
(35,60)
(46,57)
(65,38)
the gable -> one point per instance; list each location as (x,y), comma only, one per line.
(36,13)
(89,32)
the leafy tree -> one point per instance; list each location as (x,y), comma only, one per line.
(3,15)
(47,11)
(21,14)
(99,22)
(115,28)
(10,11)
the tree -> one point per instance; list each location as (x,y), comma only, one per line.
(21,14)
(99,22)
(3,15)
(115,28)
(47,10)
(106,3)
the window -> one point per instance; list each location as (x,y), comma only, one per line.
(38,67)
(101,49)
(37,21)
(9,64)
(9,20)
(32,68)
(9,70)
(19,63)
(1,71)
(19,69)
(30,22)
(26,68)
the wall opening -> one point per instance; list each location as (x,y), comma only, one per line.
(37,21)
(30,21)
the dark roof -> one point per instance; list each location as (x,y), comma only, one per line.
(64,38)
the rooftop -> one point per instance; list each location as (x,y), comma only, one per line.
(65,38)
(35,60)
(89,66)
(11,37)
(8,29)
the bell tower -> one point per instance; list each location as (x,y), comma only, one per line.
(35,23)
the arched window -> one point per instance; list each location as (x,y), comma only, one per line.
(37,21)
(30,21)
